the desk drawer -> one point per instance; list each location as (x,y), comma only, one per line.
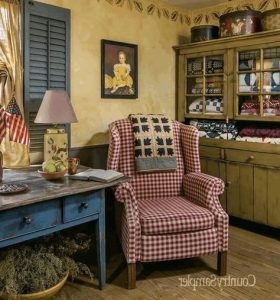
(82,205)
(28,219)
(252,157)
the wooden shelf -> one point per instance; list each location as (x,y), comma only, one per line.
(271,93)
(195,76)
(258,71)
(248,72)
(206,95)
(214,95)
(272,70)
(249,94)
(258,118)
(214,74)
(205,116)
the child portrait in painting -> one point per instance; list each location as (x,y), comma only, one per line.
(119,70)
(122,76)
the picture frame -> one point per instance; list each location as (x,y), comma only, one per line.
(119,70)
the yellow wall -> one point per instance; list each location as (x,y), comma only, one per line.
(92,21)
(123,20)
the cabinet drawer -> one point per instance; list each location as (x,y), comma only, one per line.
(82,205)
(28,219)
(253,157)
(210,152)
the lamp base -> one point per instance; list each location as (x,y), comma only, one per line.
(56,145)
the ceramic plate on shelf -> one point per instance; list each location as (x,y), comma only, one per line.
(12,188)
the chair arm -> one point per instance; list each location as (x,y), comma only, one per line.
(124,192)
(203,189)
(130,225)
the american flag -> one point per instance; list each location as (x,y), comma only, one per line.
(2,123)
(17,129)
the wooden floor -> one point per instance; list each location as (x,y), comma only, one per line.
(250,254)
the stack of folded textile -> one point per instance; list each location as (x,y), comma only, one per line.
(247,64)
(214,66)
(214,85)
(259,135)
(215,129)
(214,106)
(196,107)
(271,82)
(197,88)
(195,67)
(271,107)
(248,83)
(250,108)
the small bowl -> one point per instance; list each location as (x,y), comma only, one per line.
(52,175)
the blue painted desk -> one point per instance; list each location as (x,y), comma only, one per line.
(50,206)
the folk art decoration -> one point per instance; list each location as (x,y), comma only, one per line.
(119,70)
(56,145)
(184,17)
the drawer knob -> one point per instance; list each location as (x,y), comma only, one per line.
(84,205)
(228,183)
(27,220)
(251,157)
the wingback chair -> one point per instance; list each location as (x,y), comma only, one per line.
(168,215)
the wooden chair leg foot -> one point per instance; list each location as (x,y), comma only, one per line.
(222,263)
(131,276)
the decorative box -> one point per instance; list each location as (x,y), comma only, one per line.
(204,33)
(271,19)
(240,22)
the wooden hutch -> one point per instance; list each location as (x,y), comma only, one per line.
(250,170)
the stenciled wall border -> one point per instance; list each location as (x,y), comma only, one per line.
(152,9)
(177,15)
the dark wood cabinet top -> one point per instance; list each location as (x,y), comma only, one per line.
(40,189)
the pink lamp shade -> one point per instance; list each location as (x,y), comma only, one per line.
(56,108)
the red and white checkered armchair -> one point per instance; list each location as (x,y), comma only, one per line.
(168,215)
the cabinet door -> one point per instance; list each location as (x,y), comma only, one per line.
(257,88)
(260,194)
(206,84)
(273,198)
(217,169)
(240,190)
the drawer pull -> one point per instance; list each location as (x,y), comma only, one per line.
(27,220)
(84,205)
(251,157)
(228,183)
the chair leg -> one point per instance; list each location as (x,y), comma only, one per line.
(131,276)
(222,263)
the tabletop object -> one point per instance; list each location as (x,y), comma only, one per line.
(13,188)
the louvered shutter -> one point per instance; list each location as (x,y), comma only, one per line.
(46,60)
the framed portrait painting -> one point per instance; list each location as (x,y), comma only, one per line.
(119,70)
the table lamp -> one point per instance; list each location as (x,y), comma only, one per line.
(55,109)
